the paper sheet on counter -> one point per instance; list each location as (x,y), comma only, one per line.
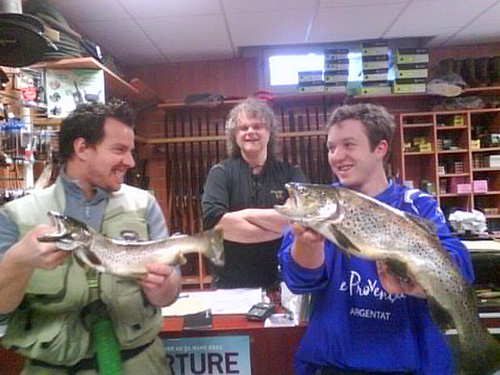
(221,301)
(484,245)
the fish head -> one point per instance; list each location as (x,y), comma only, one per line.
(70,233)
(311,203)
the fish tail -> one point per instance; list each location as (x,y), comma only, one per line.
(480,362)
(215,250)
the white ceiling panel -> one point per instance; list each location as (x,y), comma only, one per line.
(350,23)
(244,6)
(441,39)
(170,8)
(90,10)
(204,29)
(337,3)
(138,54)
(439,14)
(206,53)
(267,28)
(490,16)
(476,33)
(116,35)
(171,34)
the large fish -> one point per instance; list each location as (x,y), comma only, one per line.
(128,258)
(367,228)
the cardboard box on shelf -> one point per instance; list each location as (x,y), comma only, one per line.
(480,186)
(337,76)
(464,189)
(335,87)
(372,48)
(375,62)
(458,120)
(493,161)
(310,76)
(409,86)
(418,140)
(412,55)
(420,70)
(373,88)
(375,75)
(311,87)
(425,147)
(454,182)
(342,64)
(336,54)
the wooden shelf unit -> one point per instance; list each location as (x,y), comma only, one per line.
(462,164)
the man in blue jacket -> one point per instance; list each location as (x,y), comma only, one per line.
(365,320)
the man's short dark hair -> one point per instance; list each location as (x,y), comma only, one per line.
(87,122)
(379,124)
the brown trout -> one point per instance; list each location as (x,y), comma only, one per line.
(369,229)
(128,258)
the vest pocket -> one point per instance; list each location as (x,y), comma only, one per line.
(48,282)
(59,339)
(58,291)
(136,321)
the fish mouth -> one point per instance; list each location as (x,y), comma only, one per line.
(67,237)
(309,202)
(295,207)
(61,232)
(292,205)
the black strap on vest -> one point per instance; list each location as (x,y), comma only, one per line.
(90,363)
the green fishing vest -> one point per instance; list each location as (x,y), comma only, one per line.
(47,325)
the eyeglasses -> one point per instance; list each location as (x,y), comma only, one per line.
(256,127)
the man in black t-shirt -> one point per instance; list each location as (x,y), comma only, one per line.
(239,196)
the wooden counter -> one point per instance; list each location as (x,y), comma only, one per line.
(271,349)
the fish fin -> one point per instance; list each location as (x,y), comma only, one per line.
(215,251)
(85,256)
(92,258)
(483,361)
(427,225)
(399,269)
(342,241)
(439,315)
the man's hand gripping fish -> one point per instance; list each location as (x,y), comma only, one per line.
(369,229)
(129,258)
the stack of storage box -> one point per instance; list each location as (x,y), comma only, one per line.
(311,81)
(336,69)
(375,57)
(418,144)
(492,161)
(411,70)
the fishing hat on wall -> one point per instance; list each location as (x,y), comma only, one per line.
(22,41)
